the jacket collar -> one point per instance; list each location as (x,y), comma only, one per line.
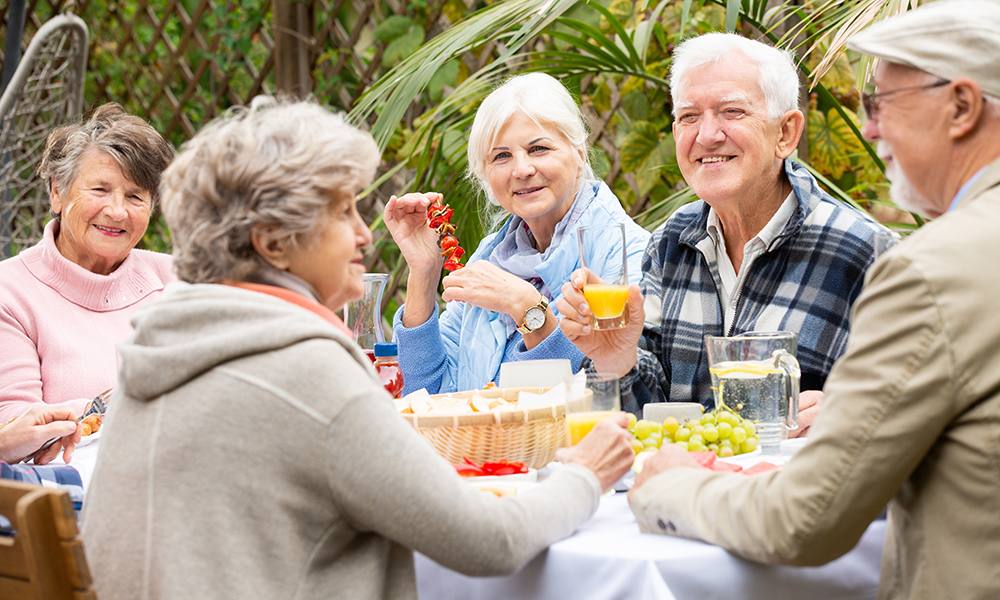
(807,193)
(989,179)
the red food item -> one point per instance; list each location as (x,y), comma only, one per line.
(721,465)
(504,468)
(705,459)
(709,461)
(439,219)
(761,467)
(470,469)
(391,376)
(447,242)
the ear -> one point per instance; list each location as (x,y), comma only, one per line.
(55,200)
(272,249)
(790,130)
(966,107)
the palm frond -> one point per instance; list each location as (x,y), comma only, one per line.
(515,21)
(661,210)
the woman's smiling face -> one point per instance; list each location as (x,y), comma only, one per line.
(534,172)
(102,215)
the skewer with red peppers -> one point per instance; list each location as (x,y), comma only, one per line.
(439,219)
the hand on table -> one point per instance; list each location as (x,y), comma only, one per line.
(612,351)
(667,457)
(39,424)
(606,450)
(809,406)
(406,219)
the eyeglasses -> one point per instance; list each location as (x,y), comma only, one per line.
(872,102)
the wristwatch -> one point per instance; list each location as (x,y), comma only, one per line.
(534,316)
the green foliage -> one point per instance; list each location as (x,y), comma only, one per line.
(832,143)
(614,55)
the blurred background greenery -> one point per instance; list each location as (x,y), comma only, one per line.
(414,73)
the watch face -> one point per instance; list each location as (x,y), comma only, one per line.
(534,318)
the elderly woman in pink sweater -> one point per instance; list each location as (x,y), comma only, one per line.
(65,303)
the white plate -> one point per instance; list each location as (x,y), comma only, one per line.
(790,447)
(89,439)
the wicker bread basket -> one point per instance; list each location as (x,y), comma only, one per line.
(528,436)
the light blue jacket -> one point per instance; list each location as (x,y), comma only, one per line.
(462,348)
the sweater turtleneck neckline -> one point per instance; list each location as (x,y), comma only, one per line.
(123,287)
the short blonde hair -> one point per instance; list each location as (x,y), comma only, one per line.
(275,163)
(543,100)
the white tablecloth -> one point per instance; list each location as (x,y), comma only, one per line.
(608,558)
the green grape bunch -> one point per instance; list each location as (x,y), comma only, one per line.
(721,431)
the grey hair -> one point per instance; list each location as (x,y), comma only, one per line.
(139,150)
(544,100)
(777,74)
(282,164)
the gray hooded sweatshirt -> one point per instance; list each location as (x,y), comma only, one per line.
(250,452)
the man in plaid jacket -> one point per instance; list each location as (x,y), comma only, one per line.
(765,249)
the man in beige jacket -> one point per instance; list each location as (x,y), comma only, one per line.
(911,415)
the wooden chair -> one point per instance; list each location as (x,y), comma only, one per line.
(44,560)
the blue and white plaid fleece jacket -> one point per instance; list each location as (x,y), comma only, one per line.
(805,282)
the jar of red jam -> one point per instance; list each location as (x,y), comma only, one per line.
(388,370)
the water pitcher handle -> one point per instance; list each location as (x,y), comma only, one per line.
(787,363)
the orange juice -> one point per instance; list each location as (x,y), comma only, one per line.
(581,423)
(607,303)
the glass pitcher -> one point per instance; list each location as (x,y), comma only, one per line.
(364,316)
(756,375)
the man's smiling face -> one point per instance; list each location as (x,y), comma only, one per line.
(726,143)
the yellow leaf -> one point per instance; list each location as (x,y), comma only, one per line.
(824,154)
(633,84)
(840,77)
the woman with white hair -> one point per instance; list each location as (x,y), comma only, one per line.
(253,453)
(528,153)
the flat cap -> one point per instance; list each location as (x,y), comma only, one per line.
(949,38)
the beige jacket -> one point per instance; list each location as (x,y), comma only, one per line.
(251,453)
(911,418)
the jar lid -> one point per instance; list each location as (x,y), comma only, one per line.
(385,350)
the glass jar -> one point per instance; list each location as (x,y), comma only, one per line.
(388,369)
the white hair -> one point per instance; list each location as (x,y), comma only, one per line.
(542,99)
(777,75)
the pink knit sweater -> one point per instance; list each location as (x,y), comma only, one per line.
(60,323)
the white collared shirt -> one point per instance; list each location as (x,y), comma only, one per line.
(731,282)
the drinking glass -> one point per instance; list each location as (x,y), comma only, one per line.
(756,376)
(607,300)
(589,401)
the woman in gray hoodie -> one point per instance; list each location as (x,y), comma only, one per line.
(252,452)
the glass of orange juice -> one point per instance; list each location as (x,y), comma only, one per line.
(589,400)
(602,247)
